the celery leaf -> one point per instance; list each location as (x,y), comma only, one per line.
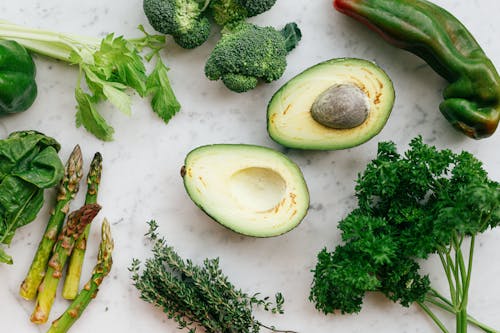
(163,100)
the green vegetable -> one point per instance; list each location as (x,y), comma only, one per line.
(183,19)
(472,100)
(68,188)
(72,280)
(109,67)
(253,190)
(163,98)
(247,53)
(343,87)
(17,78)
(77,221)
(28,164)
(197,296)
(89,291)
(410,206)
(227,11)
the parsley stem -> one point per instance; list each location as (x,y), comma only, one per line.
(447,269)
(437,294)
(469,273)
(456,274)
(461,265)
(480,325)
(461,281)
(445,304)
(433,317)
(458,299)
(441,305)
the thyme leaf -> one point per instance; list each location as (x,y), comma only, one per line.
(198,296)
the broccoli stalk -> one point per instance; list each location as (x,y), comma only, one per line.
(227,11)
(183,19)
(410,206)
(247,53)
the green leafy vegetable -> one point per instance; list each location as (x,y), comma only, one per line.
(197,296)
(162,95)
(28,164)
(410,206)
(109,68)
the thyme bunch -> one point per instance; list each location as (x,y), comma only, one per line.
(198,296)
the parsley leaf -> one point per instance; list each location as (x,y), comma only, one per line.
(410,206)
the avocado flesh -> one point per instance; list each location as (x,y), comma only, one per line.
(252,190)
(289,120)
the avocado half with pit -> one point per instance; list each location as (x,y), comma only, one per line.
(336,104)
(252,190)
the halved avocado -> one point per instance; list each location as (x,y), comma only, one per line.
(336,104)
(252,190)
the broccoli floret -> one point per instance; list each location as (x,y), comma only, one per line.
(247,53)
(183,19)
(239,82)
(226,11)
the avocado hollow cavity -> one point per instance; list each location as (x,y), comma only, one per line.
(258,189)
(341,106)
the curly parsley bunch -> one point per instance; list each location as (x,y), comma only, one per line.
(410,206)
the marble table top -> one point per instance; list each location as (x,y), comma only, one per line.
(141,168)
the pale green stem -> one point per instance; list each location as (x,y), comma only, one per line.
(469,272)
(446,305)
(448,271)
(433,317)
(52,44)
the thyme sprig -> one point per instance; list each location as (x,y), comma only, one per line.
(198,296)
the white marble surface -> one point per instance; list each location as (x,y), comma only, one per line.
(141,168)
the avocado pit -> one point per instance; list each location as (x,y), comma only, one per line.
(342,106)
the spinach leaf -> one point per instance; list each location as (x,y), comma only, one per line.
(29,163)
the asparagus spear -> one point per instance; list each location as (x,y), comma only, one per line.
(72,281)
(74,227)
(89,291)
(67,190)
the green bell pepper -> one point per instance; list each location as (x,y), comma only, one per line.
(17,78)
(472,100)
